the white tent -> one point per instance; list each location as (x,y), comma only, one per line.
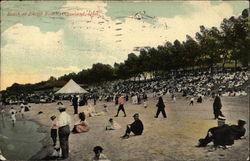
(71,88)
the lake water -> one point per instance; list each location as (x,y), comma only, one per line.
(20,142)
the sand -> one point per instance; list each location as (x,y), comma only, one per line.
(173,138)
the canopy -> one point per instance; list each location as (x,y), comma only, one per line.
(71,88)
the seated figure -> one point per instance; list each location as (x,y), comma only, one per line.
(136,127)
(99,154)
(112,125)
(223,134)
(81,125)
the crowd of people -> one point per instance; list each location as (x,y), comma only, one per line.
(189,84)
(198,84)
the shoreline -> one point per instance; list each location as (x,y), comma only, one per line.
(45,142)
(44,151)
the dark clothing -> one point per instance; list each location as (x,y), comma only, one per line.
(116,100)
(238,131)
(219,135)
(64,140)
(162,111)
(121,107)
(223,136)
(53,134)
(161,108)
(136,127)
(217,107)
(199,100)
(75,104)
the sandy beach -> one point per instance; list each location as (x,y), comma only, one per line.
(173,138)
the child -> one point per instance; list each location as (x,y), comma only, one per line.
(54,128)
(13,116)
(22,110)
(113,125)
(98,154)
(105,108)
(145,103)
(191,101)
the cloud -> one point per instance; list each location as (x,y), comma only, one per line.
(89,39)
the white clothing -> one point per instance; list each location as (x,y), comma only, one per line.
(13,115)
(12,110)
(2,157)
(113,126)
(22,110)
(64,119)
(102,157)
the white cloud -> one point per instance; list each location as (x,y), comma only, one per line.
(96,38)
(205,14)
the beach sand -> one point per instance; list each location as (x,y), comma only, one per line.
(173,138)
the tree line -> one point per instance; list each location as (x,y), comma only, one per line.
(211,47)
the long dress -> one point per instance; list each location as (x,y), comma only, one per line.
(82,126)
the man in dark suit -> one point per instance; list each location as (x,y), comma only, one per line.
(223,134)
(75,104)
(136,127)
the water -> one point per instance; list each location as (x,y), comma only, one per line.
(20,142)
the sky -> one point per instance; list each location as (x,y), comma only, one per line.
(52,38)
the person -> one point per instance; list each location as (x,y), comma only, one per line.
(121,101)
(136,127)
(99,155)
(13,116)
(238,130)
(64,122)
(105,109)
(54,128)
(161,108)
(191,101)
(22,110)
(173,97)
(112,125)
(220,135)
(145,103)
(75,104)
(217,107)
(95,99)
(199,100)
(81,125)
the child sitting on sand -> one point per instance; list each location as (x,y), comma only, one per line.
(113,125)
(98,154)
(53,131)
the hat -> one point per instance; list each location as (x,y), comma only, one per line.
(61,107)
(221,118)
(53,117)
(241,122)
(97,148)
(136,115)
